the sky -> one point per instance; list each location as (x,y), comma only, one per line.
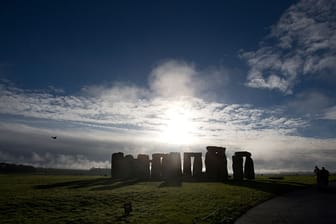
(164,76)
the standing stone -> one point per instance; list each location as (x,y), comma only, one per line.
(128,167)
(164,165)
(142,167)
(243,153)
(222,165)
(156,166)
(187,164)
(211,164)
(237,166)
(116,165)
(216,163)
(174,166)
(197,166)
(249,168)
(238,171)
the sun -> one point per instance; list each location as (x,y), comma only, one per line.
(179,127)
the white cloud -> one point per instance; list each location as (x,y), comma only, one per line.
(302,42)
(151,115)
(104,119)
(174,93)
(174,78)
(178,79)
(330,113)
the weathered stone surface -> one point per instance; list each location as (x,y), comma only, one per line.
(116,165)
(174,165)
(164,164)
(249,169)
(128,167)
(156,170)
(237,167)
(142,166)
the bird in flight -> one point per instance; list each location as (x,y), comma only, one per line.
(53,137)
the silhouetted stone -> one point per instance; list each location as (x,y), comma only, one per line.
(239,172)
(168,166)
(159,166)
(123,167)
(156,166)
(142,166)
(116,165)
(198,165)
(243,154)
(211,164)
(249,168)
(164,166)
(186,164)
(222,165)
(237,167)
(128,167)
(216,163)
(174,166)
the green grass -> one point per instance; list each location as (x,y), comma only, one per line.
(76,199)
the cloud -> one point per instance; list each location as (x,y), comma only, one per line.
(304,161)
(303,42)
(99,120)
(115,93)
(85,148)
(115,108)
(330,113)
(174,78)
(313,105)
(310,103)
(178,79)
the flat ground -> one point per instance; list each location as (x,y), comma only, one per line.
(306,206)
(79,199)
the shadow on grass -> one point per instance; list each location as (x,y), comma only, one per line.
(115,185)
(171,183)
(100,184)
(95,184)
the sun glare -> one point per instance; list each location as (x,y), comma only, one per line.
(179,127)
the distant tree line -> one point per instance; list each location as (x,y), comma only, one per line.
(15,168)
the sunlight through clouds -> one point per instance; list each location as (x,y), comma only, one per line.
(103,119)
(179,127)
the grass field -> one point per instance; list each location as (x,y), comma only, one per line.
(78,199)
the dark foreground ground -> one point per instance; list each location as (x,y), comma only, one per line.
(79,199)
(306,206)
